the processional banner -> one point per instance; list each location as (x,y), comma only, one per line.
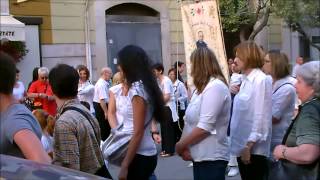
(202,27)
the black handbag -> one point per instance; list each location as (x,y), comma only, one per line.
(286,170)
(28,102)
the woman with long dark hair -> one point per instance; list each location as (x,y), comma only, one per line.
(144,103)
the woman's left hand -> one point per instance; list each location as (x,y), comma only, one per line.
(186,155)
(123,173)
(277,152)
(246,155)
(179,148)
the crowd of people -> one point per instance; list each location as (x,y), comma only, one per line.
(264,114)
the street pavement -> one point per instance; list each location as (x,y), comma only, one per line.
(170,168)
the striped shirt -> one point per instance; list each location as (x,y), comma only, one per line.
(75,143)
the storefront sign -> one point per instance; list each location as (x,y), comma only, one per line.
(11,29)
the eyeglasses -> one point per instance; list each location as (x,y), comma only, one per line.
(44,78)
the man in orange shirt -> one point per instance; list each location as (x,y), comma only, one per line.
(41,91)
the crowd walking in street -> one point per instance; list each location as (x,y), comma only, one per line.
(264,120)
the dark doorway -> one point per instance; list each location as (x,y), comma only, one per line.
(134,24)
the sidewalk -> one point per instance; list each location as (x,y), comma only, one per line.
(170,168)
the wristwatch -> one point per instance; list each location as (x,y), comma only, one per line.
(284,153)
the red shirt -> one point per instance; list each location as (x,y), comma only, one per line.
(44,87)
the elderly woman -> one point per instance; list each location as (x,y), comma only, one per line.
(302,142)
(283,94)
(41,91)
(85,88)
(204,138)
(250,129)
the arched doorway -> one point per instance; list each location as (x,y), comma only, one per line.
(132,23)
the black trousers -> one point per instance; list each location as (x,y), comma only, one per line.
(103,122)
(209,170)
(179,124)
(142,167)
(256,170)
(167,132)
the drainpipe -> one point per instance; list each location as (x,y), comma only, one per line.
(87,38)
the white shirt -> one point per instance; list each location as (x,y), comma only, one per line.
(147,146)
(121,102)
(235,79)
(294,70)
(251,117)
(210,110)
(18,92)
(180,93)
(47,142)
(86,93)
(166,87)
(283,105)
(101,91)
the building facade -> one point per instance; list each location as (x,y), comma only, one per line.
(73,29)
(91,32)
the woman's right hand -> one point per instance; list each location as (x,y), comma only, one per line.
(234,89)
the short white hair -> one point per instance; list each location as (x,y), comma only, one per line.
(310,73)
(43,70)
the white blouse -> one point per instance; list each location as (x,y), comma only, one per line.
(85,93)
(121,102)
(47,142)
(283,105)
(18,92)
(210,111)
(235,79)
(180,93)
(252,114)
(166,87)
(124,108)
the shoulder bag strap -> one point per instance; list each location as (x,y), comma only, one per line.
(281,86)
(285,137)
(83,114)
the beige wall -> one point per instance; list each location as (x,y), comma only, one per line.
(275,36)
(38,8)
(176,33)
(64,36)
(67,17)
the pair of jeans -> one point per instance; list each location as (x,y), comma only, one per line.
(208,170)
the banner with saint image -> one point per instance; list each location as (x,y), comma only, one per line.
(202,28)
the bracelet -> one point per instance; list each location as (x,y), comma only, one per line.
(284,152)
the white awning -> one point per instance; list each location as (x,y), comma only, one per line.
(11,29)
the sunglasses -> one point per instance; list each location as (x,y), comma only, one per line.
(46,77)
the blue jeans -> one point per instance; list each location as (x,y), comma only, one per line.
(208,170)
